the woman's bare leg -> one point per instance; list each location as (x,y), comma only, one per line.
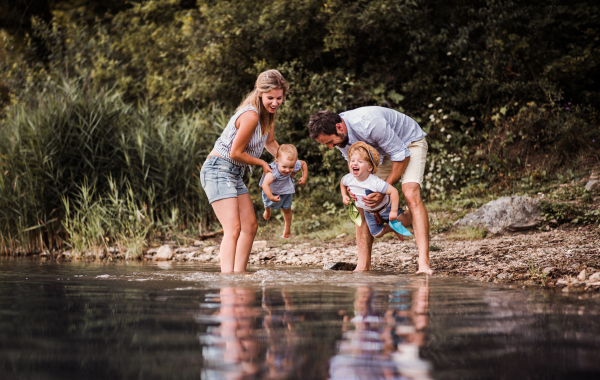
(249,226)
(227,211)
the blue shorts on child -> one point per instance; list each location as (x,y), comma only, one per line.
(374,227)
(285,201)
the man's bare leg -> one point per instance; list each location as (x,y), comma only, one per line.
(412,195)
(364,241)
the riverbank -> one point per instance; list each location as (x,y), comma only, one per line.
(567,257)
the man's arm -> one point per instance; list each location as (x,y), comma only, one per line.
(398,168)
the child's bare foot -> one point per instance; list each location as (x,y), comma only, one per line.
(424,268)
(267,213)
(286,233)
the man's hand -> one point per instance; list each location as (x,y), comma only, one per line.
(373,199)
(346,199)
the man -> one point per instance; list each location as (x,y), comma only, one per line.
(401,144)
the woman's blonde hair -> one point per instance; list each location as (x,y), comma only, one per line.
(266,81)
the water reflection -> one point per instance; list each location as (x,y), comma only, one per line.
(382,339)
(254,334)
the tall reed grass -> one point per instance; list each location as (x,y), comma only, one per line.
(71,148)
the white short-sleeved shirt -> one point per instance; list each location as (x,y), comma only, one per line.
(373,183)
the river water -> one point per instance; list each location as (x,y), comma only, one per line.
(186,321)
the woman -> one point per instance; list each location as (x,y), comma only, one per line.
(248,132)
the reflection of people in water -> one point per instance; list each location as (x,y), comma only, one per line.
(282,358)
(231,350)
(384,344)
(234,348)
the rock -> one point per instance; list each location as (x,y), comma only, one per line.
(259,245)
(504,276)
(341,236)
(185,249)
(563,282)
(595,277)
(339,266)
(506,214)
(575,286)
(592,185)
(164,253)
(548,270)
(582,275)
(209,249)
(197,243)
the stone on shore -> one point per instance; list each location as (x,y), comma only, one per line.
(259,245)
(339,266)
(164,253)
(592,185)
(506,214)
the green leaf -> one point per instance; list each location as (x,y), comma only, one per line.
(354,214)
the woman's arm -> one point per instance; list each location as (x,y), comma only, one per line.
(271,145)
(246,125)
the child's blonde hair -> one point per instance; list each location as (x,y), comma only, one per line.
(266,81)
(291,153)
(366,152)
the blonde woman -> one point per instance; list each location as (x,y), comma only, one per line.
(248,132)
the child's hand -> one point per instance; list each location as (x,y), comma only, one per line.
(393,215)
(301,181)
(275,198)
(346,199)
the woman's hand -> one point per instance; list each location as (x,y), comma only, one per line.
(352,195)
(266,168)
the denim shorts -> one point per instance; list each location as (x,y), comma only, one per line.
(221,179)
(374,228)
(285,201)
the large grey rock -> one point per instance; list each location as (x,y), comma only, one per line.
(506,214)
(164,253)
(592,185)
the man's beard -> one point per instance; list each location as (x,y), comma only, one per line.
(344,141)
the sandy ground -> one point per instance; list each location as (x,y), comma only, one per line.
(567,257)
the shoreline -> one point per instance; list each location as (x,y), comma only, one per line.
(566,257)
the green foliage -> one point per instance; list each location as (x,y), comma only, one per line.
(495,84)
(71,136)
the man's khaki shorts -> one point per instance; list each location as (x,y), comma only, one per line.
(416,166)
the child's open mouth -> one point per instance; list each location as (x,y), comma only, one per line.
(355,171)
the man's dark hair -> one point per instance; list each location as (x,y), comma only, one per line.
(323,123)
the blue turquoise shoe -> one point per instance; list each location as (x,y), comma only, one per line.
(399,228)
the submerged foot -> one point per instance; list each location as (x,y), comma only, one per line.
(425,269)
(267,214)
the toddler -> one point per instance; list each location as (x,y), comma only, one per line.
(278,186)
(363,160)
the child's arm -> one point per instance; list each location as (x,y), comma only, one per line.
(266,186)
(345,196)
(395,198)
(304,169)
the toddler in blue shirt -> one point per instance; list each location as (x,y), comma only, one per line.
(278,186)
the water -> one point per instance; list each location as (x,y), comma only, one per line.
(186,321)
